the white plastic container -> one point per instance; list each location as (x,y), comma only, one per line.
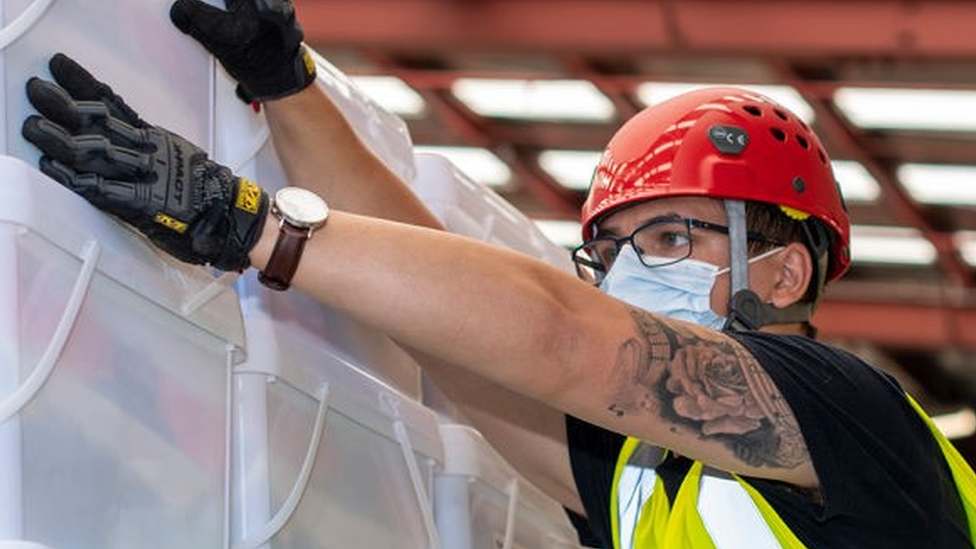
(114,379)
(468,208)
(328,454)
(242,140)
(482,503)
(471,209)
(178,84)
(244,144)
(115,40)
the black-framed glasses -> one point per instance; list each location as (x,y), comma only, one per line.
(658,242)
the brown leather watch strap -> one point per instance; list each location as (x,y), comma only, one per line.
(284,258)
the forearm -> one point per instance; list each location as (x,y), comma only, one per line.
(495,312)
(321,152)
(538,331)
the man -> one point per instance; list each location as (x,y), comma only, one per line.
(712,226)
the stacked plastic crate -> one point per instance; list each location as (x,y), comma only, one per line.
(147,403)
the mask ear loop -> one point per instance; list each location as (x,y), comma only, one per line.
(746,311)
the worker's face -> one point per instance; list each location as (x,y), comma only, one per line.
(707,245)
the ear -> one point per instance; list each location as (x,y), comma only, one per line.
(793,275)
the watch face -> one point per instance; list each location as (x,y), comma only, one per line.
(301,207)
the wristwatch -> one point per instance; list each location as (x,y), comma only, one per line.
(300,212)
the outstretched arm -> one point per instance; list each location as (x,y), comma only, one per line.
(321,152)
(536,330)
(521,323)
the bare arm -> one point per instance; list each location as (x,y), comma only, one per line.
(321,152)
(540,332)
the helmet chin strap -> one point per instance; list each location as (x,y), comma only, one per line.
(746,310)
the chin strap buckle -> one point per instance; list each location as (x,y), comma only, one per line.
(748,313)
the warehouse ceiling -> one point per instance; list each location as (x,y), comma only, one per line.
(916,320)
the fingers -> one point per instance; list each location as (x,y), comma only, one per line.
(88,153)
(205,23)
(82,86)
(76,79)
(284,8)
(245,5)
(115,197)
(54,103)
(83,117)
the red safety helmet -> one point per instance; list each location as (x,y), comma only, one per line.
(723,143)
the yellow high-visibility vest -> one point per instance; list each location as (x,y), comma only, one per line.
(718,510)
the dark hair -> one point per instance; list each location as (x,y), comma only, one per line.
(769,220)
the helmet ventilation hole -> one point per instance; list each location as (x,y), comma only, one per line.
(753,110)
(782,115)
(778,134)
(802,141)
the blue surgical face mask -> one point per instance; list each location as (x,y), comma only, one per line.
(680,290)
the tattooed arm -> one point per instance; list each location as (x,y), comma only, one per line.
(718,403)
(540,332)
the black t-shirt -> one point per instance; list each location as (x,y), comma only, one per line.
(883,478)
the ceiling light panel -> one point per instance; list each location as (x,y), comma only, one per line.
(480,164)
(572,169)
(940,183)
(958,424)
(548,100)
(885,108)
(966,244)
(890,245)
(652,93)
(393,94)
(567,234)
(856,184)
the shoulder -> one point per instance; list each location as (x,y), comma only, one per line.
(802,359)
(856,421)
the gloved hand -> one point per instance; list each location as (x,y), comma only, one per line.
(151,178)
(259,42)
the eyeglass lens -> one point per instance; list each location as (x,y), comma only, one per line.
(658,243)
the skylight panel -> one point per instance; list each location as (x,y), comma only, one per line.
(551,100)
(393,94)
(940,183)
(572,169)
(567,234)
(856,184)
(886,108)
(480,164)
(652,93)
(890,245)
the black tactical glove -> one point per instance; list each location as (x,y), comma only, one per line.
(151,178)
(259,42)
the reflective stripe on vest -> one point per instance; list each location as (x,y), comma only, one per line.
(712,509)
(718,510)
(727,511)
